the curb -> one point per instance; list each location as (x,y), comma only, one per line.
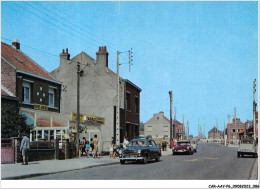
(254,171)
(42,174)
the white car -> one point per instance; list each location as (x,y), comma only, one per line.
(247,147)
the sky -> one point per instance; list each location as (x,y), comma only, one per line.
(206,53)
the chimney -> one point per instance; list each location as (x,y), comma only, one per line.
(102,57)
(64,56)
(16,44)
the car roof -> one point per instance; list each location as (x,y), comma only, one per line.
(142,139)
(182,141)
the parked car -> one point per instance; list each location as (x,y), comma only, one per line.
(194,145)
(247,147)
(182,147)
(140,150)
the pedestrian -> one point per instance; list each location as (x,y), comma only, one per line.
(91,144)
(125,142)
(87,148)
(95,142)
(113,145)
(111,151)
(163,143)
(83,147)
(25,146)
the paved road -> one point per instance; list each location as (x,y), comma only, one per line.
(211,162)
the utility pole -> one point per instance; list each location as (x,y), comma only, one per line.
(188,132)
(78,108)
(204,129)
(171,130)
(217,128)
(235,123)
(229,130)
(224,134)
(254,109)
(183,125)
(174,130)
(118,104)
(198,129)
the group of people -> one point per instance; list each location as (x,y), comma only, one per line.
(91,146)
(113,147)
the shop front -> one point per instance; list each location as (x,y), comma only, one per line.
(89,127)
(47,125)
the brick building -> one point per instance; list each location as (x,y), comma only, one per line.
(240,128)
(214,134)
(37,93)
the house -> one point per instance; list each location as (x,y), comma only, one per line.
(159,126)
(214,134)
(34,91)
(236,131)
(97,97)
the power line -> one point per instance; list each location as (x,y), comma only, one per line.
(74,24)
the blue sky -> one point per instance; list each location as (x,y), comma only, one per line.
(205,52)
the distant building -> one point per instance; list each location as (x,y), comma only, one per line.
(214,134)
(239,128)
(159,126)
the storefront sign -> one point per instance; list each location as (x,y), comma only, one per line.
(40,107)
(88,119)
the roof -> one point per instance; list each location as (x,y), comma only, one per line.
(135,86)
(22,62)
(6,92)
(214,130)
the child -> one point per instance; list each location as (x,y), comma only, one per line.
(111,149)
(87,147)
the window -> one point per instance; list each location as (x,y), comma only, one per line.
(27,92)
(136,105)
(51,97)
(149,128)
(165,129)
(128,101)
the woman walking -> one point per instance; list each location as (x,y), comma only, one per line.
(95,142)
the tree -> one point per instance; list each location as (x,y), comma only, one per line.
(141,126)
(12,123)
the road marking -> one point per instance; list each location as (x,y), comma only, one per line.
(191,160)
(212,158)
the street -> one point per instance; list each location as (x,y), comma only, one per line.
(211,162)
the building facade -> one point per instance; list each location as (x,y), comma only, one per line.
(98,96)
(37,92)
(236,131)
(214,134)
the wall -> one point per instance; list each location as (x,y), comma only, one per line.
(8,76)
(35,98)
(158,121)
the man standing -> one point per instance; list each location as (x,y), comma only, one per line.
(25,146)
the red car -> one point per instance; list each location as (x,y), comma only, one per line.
(182,147)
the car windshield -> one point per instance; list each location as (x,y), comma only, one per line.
(247,141)
(138,143)
(182,143)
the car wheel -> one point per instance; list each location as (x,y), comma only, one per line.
(190,152)
(195,150)
(145,160)
(173,153)
(238,154)
(122,161)
(157,159)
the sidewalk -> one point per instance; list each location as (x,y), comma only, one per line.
(37,168)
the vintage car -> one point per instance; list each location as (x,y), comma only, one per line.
(182,147)
(194,145)
(247,147)
(140,150)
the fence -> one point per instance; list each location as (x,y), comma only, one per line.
(39,150)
